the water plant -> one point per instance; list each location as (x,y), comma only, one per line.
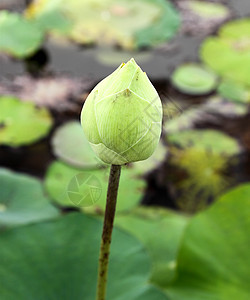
(130,24)
(122,120)
(194,79)
(228,54)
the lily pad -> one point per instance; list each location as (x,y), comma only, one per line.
(234,91)
(59,260)
(213,260)
(74,187)
(160,231)
(194,79)
(19,37)
(71,146)
(22,200)
(130,24)
(210,140)
(22,123)
(229,53)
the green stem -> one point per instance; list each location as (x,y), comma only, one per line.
(114,178)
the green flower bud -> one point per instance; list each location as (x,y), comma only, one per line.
(122,116)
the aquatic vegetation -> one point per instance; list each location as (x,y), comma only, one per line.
(216,241)
(234,91)
(71,146)
(194,79)
(68,243)
(161,231)
(59,183)
(22,123)
(228,54)
(205,176)
(129,24)
(22,200)
(13,40)
(211,140)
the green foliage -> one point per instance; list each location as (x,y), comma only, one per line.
(58,260)
(160,231)
(213,261)
(130,24)
(71,146)
(161,30)
(209,10)
(205,176)
(234,91)
(19,37)
(194,79)
(228,54)
(203,156)
(59,179)
(22,123)
(22,200)
(210,140)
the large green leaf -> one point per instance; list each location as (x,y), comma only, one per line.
(214,258)
(160,231)
(22,123)
(70,145)
(58,260)
(229,53)
(22,200)
(19,37)
(130,24)
(73,187)
(194,79)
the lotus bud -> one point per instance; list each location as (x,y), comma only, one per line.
(122,116)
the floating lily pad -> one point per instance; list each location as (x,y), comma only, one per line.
(59,260)
(212,140)
(213,260)
(229,53)
(71,146)
(160,231)
(22,200)
(73,187)
(22,123)
(130,24)
(19,37)
(234,91)
(194,79)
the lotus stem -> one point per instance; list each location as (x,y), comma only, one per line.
(114,178)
